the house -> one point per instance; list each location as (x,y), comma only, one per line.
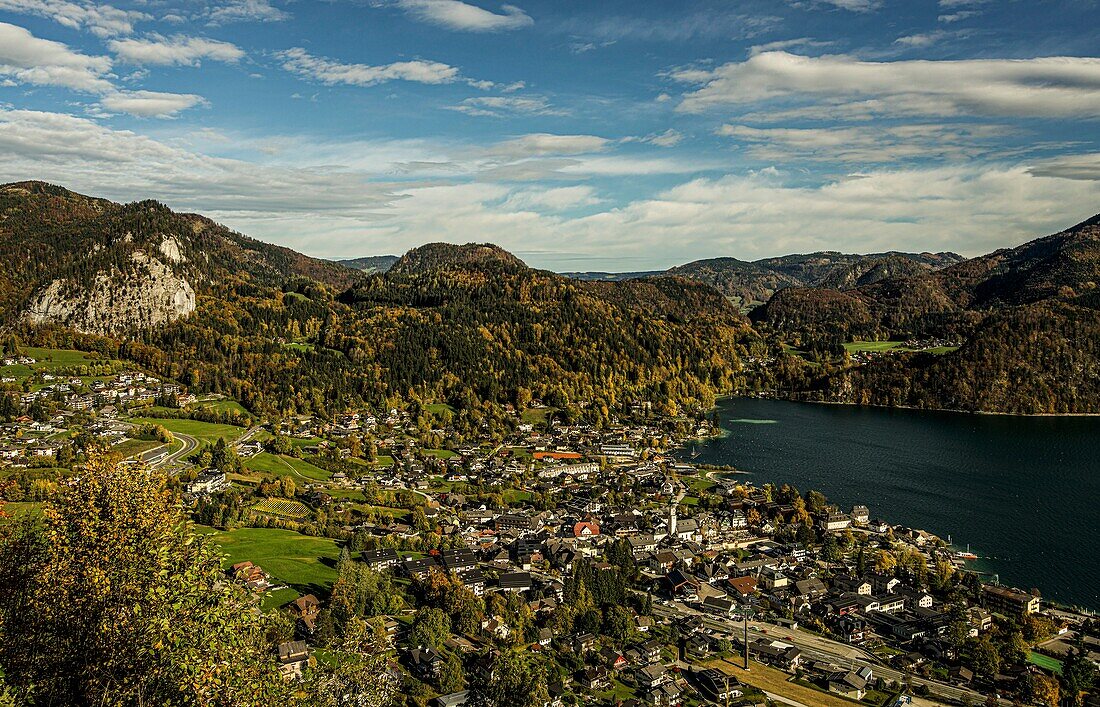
(835,521)
(459,560)
(514,581)
(455,699)
(306,609)
(583,643)
(860,515)
(743,586)
(293,657)
(594,678)
(783,655)
(651,676)
(772,579)
(715,685)
(419,567)
(613,658)
(643,623)
(847,683)
(379,560)
(208,482)
(586,529)
(720,606)
(425,662)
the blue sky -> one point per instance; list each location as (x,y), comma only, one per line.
(580,135)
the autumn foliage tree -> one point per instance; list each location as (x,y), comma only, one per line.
(112,599)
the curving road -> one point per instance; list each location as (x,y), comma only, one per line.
(155,460)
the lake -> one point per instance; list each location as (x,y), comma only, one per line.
(1024,492)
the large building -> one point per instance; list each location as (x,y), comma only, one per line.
(1012,602)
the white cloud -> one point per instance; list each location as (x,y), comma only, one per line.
(669,138)
(245,11)
(1045,87)
(458,15)
(544,145)
(502,106)
(554,199)
(785,44)
(29,59)
(686,26)
(332,73)
(100,19)
(1085,167)
(349,207)
(924,39)
(176,50)
(150,104)
(850,5)
(870,144)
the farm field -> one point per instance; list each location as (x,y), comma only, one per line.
(880,346)
(202,431)
(281,507)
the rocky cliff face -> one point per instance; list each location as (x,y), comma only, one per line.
(149,293)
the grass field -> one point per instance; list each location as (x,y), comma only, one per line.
(202,431)
(20,508)
(56,358)
(880,346)
(278,465)
(133,447)
(1045,662)
(778,682)
(220,406)
(306,564)
(439,453)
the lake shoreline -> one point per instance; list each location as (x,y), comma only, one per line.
(979,413)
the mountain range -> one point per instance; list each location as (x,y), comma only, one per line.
(473,324)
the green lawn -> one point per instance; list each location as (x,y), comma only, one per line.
(16,509)
(133,447)
(516,496)
(57,358)
(279,465)
(305,563)
(221,406)
(202,431)
(439,408)
(1046,662)
(439,453)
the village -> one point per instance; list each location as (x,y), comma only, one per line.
(627,573)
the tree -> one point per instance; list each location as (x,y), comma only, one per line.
(514,680)
(452,677)
(360,678)
(984,658)
(1045,690)
(113,599)
(1078,675)
(430,627)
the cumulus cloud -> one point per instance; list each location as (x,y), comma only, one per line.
(100,19)
(1045,87)
(331,73)
(42,62)
(458,15)
(503,106)
(27,59)
(150,104)
(177,50)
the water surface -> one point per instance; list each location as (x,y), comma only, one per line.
(1022,491)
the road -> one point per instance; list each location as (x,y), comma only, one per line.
(816,647)
(190,444)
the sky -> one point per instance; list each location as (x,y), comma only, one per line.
(579,134)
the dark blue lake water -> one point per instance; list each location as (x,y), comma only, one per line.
(1022,491)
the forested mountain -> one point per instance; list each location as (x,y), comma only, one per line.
(468,325)
(1028,319)
(105,268)
(755,282)
(370,263)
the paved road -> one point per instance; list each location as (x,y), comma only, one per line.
(815,647)
(154,456)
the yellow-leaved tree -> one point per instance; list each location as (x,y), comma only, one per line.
(111,598)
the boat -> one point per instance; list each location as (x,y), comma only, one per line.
(965,555)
